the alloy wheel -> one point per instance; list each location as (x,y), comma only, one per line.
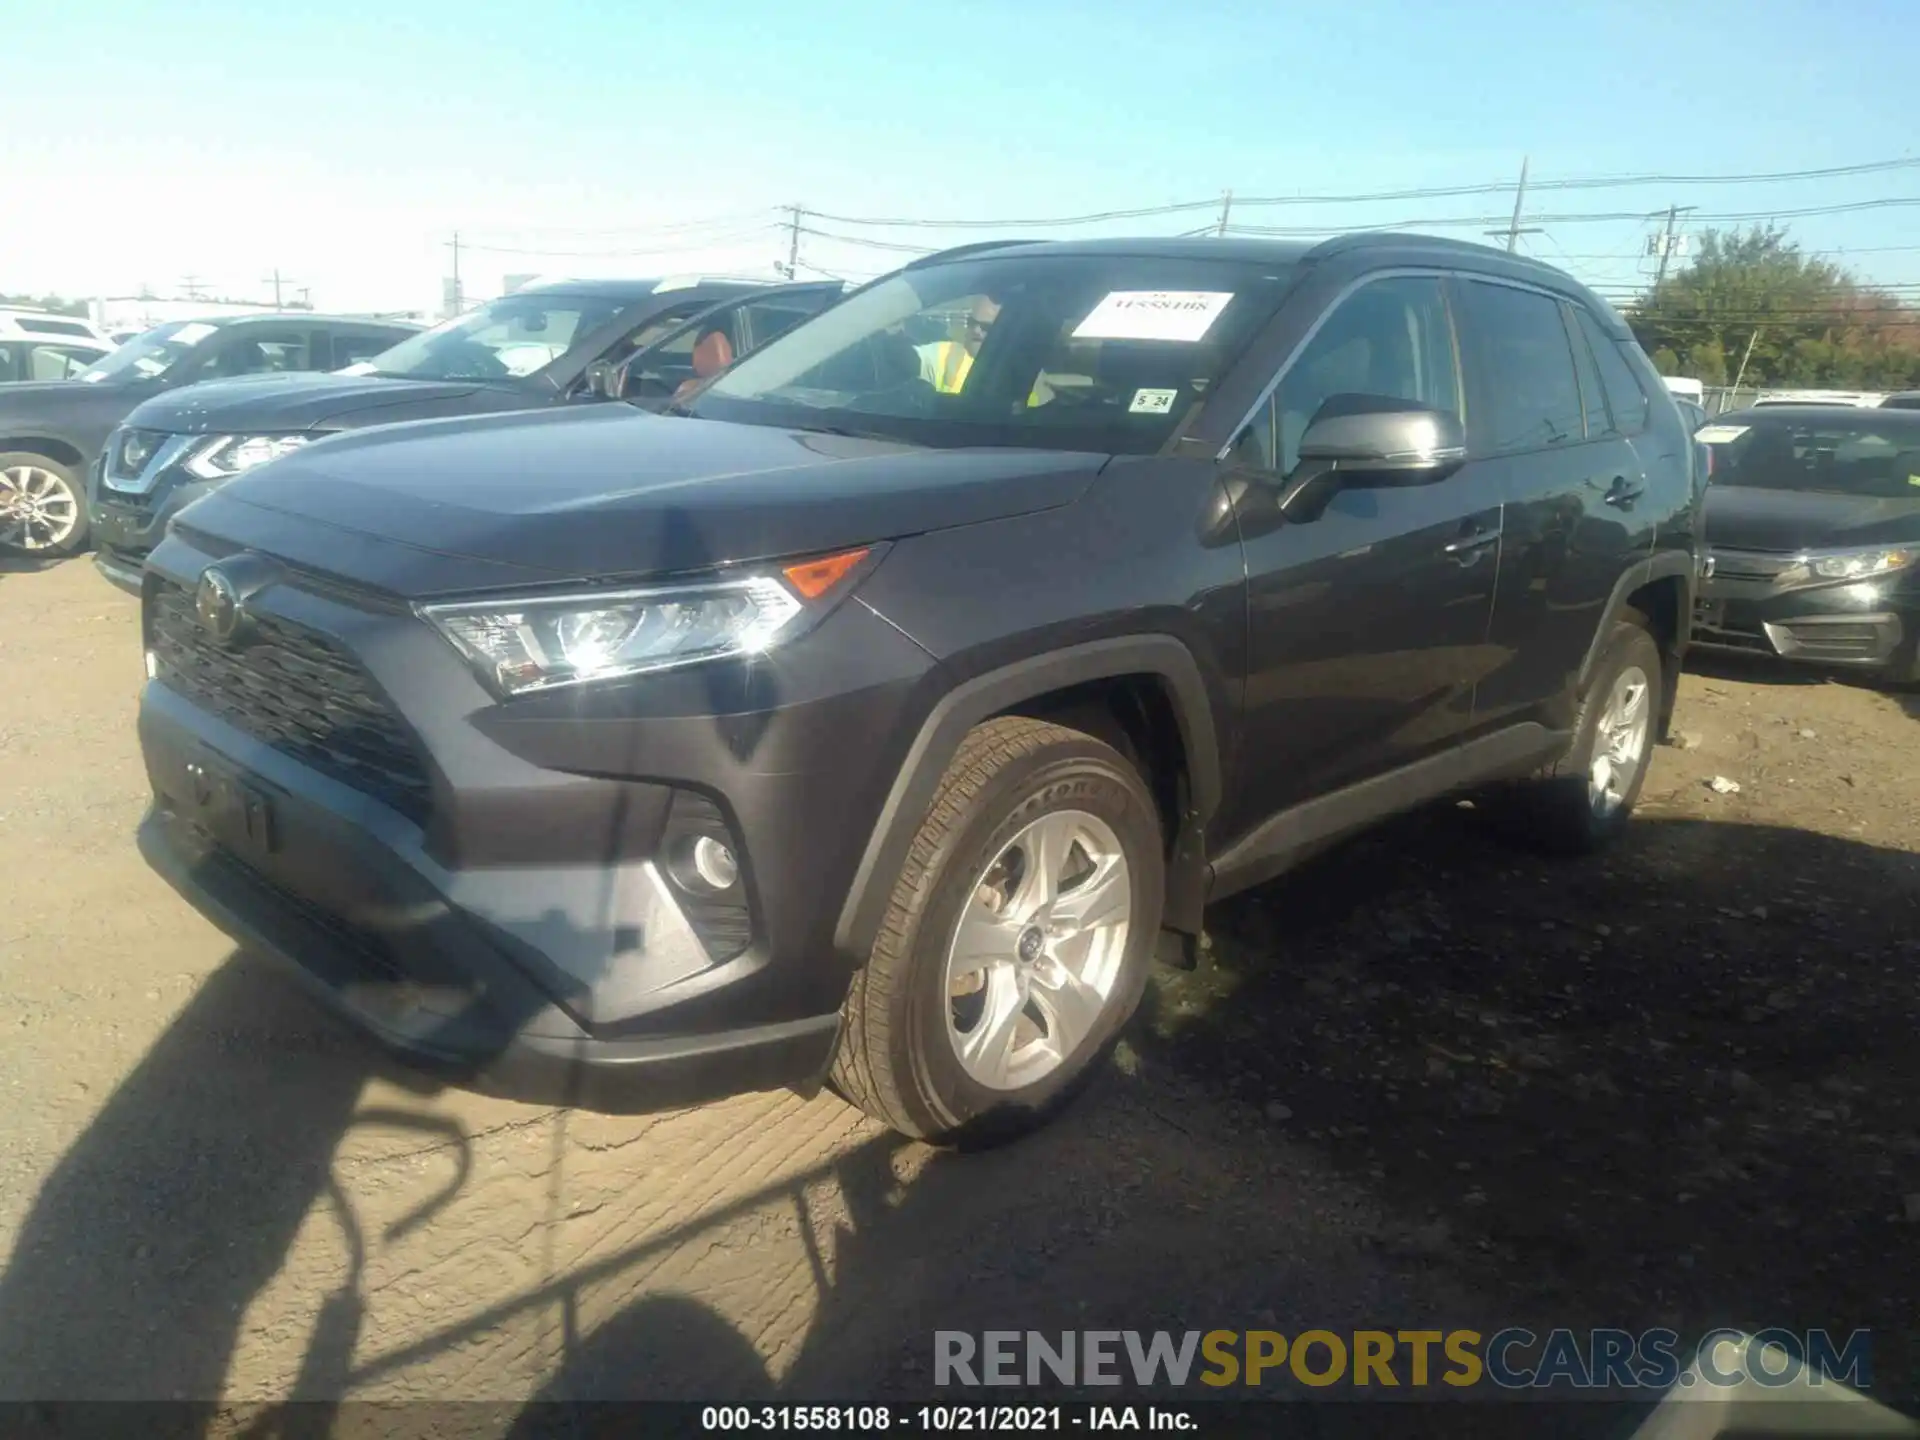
(37,509)
(1036,955)
(1620,741)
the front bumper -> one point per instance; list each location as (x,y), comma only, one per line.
(1867,625)
(127,526)
(520,929)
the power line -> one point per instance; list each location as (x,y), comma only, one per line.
(1596,182)
(713,242)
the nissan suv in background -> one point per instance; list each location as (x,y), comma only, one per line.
(1813,528)
(51,434)
(544,345)
(880,720)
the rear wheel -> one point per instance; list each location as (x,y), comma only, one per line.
(1584,801)
(43,506)
(1017,943)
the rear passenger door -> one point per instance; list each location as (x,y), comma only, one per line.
(1570,482)
(1367,623)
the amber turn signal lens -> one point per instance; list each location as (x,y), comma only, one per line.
(814,578)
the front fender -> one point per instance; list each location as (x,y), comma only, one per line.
(983,696)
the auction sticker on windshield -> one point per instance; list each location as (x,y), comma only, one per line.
(1719,434)
(1153,315)
(1152,402)
(192,333)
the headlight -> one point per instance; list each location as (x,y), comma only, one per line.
(132,449)
(1859,564)
(540,643)
(224,456)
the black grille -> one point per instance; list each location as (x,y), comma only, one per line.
(295,690)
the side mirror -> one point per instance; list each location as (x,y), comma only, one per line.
(1369,440)
(1406,444)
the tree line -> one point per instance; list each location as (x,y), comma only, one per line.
(1753,298)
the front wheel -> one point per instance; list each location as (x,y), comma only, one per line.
(1017,943)
(43,506)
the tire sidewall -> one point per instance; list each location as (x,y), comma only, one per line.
(76,486)
(1083,775)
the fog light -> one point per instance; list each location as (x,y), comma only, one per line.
(153,665)
(713,862)
(1862,594)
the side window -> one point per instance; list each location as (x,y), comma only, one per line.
(257,351)
(1624,395)
(1392,339)
(1593,399)
(652,329)
(56,362)
(351,347)
(1533,393)
(767,320)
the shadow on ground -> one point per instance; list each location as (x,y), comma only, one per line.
(1425,1080)
(1758,669)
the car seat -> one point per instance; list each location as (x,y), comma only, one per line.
(712,353)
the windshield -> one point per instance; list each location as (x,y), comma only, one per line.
(1066,352)
(151,354)
(1873,461)
(504,339)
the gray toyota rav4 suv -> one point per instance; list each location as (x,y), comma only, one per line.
(879,713)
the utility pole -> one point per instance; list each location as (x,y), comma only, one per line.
(452,302)
(1226,209)
(277,281)
(1666,243)
(1515,229)
(1741,373)
(792,268)
(191,284)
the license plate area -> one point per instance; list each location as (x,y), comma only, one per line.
(238,814)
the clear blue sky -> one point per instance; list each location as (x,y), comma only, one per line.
(343,142)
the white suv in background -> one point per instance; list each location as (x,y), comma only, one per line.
(37,345)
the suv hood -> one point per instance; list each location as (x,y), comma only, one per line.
(1791,520)
(261,404)
(609,491)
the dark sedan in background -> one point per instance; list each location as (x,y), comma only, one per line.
(551,344)
(52,434)
(1813,533)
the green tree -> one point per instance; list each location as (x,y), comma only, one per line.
(1810,321)
(1665,361)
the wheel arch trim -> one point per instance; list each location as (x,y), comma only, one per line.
(1662,565)
(983,696)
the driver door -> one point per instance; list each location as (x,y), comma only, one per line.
(1367,624)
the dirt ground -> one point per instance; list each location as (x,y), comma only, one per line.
(1427,1080)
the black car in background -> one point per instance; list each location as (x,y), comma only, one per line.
(1813,532)
(51,434)
(551,344)
(883,718)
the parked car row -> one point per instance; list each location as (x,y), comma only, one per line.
(556,344)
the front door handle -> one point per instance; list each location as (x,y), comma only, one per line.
(1469,548)
(1622,493)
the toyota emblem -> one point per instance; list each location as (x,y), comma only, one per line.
(217,604)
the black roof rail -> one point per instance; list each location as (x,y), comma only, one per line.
(955,252)
(1367,239)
